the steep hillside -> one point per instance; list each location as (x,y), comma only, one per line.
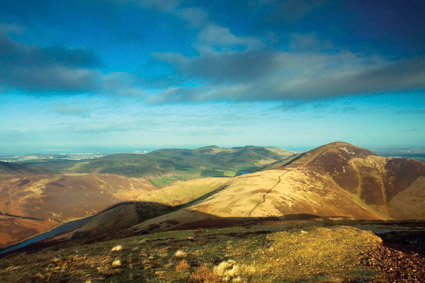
(393,186)
(30,203)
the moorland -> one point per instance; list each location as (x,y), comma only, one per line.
(336,213)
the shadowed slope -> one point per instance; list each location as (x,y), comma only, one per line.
(14,169)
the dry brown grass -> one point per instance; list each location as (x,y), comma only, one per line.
(205,275)
(182,192)
(321,254)
(56,197)
(314,254)
(182,266)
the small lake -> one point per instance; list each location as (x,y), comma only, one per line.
(243,172)
(71,225)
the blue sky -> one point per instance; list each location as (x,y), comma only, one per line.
(78,75)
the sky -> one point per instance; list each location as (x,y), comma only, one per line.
(122,75)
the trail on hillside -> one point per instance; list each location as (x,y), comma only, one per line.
(10,205)
(266,193)
(22,217)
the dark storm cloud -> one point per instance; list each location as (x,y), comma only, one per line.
(314,54)
(55,68)
(227,67)
(403,75)
(14,53)
(295,76)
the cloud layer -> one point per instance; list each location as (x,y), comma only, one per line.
(264,75)
(37,69)
(223,61)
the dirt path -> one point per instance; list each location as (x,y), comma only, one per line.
(266,193)
(10,205)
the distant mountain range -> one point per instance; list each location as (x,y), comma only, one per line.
(206,161)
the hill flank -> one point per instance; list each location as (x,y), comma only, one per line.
(10,168)
(30,203)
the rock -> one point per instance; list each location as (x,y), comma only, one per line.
(116,248)
(116,263)
(180,254)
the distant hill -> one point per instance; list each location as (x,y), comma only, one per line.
(166,166)
(14,168)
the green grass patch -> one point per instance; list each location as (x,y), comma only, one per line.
(212,173)
(164,181)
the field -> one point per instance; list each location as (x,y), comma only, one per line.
(307,251)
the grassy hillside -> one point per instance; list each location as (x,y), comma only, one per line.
(292,252)
(183,164)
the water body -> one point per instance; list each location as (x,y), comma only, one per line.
(61,229)
(243,172)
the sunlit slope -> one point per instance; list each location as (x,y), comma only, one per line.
(184,192)
(46,201)
(285,194)
(15,229)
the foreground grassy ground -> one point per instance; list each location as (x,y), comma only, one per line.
(291,252)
